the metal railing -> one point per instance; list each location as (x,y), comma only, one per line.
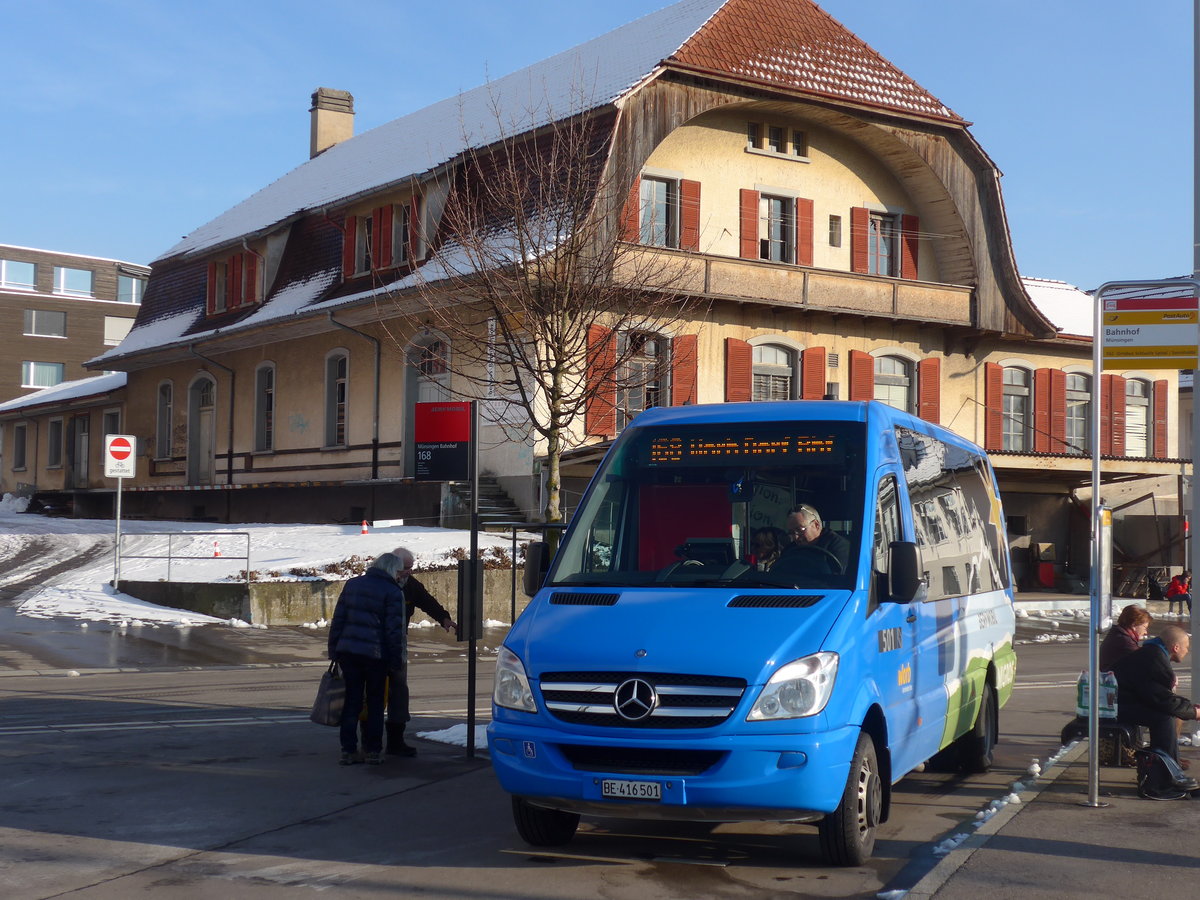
(175,538)
(518,527)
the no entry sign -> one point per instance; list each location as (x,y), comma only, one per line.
(120,456)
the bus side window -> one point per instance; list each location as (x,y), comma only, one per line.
(887,523)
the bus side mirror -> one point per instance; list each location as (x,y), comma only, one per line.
(537,564)
(904,571)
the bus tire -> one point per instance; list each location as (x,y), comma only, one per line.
(848,833)
(541,827)
(977,748)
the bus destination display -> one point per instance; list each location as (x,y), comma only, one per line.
(762,449)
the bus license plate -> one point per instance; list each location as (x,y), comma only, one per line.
(631,790)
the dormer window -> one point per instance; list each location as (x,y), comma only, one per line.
(776,139)
(233,282)
(388,237)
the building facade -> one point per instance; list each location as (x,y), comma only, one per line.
(832,228)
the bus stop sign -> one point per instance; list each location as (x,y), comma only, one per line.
(442,439)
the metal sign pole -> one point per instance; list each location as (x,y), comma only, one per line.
(117,555)
(475,588)
(1094,581)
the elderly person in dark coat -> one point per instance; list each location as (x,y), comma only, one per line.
(366,638)
(1146,688)
(1125,636)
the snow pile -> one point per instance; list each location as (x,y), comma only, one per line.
(10,505)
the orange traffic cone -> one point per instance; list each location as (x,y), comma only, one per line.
(216,549)
(364,528)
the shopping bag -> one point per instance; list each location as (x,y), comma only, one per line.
(1106,701)
(331,697)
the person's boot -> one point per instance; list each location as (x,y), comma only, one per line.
(395,741)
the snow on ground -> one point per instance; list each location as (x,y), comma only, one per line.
(200,551)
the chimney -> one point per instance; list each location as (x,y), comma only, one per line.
(332,119)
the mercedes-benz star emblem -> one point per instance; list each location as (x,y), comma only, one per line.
(634,699)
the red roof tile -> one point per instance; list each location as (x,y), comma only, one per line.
(797,45)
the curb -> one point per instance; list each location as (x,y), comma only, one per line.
(71,673)
(933,880)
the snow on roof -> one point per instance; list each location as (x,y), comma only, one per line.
(67,390)
(1070,309)
(588,76)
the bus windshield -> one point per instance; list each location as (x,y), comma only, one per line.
(700,505)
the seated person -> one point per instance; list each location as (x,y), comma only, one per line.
(1146,689)
(1180,591)
(1125,636)
(807,531)
(765,546)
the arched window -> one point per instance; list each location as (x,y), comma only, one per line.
(1079,409)
(894,382)
(774,373)
(264,408)
(164,423)
(1018,409)
(337,370)
(1137,417)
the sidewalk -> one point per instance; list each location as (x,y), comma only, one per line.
(1053,845)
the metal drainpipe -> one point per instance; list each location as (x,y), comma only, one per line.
(378,361)
(232,394)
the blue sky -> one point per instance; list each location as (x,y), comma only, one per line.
(128,123)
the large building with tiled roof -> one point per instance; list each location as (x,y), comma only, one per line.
(837,229)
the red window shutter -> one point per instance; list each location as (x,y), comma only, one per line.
(683,370)
(1117,404)
(860,219)
(1105,393)
(689,215)
(414,229)
(804,232)
(631,215)
(910,227)
(862,375)
(600,409)
(233,281)
(250,268)
(1058,411)
(211,302)
(1041,411)
(377,237)
(349,237)
(739,371)
(1160,420)
(748,224)
(384,222)
(993,406)
(929,390)
(812,373)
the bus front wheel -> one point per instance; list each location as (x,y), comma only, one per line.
(541,827)
(848,833)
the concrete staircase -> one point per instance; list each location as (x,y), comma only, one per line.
(495,506)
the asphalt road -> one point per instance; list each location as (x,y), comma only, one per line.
(203,781)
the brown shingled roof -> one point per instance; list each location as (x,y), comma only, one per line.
(795,44)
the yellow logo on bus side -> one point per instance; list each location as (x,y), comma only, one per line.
(904,676)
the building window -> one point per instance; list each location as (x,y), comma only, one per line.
(881,245)
(18,456)
(20,275)
(777,228)
(110,422)
(659,222)
(73,282)
(130,289)
(894,382)
(164,425)
(642,379)
(401,233)
(1017,421)
(1137,417)
(116,328)
(776,139)
(233,282)
(835,231)
(336,370)
(264,408)
(363,256)
(1079,407)
(774,373)
(45,323)
(54,443)
(41,374)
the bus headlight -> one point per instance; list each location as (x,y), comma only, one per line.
(801,688)
(511,688)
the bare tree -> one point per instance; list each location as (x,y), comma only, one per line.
(547,307)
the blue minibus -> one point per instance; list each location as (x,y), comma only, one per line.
(676,663)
